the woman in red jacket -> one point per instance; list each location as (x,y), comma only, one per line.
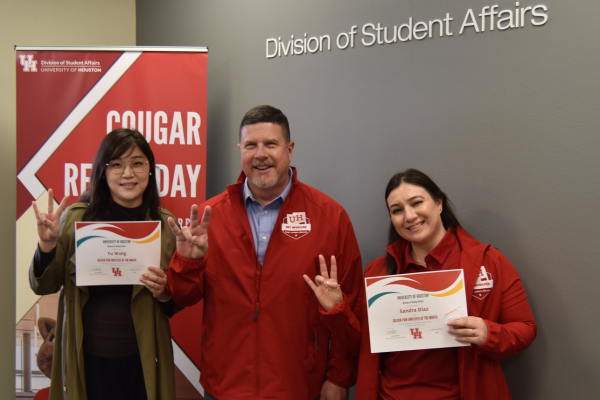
(425,235)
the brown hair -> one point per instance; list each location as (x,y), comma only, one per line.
(418,178)
(266,113)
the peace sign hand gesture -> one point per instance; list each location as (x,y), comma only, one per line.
(48,224)
(327,289)
(192,241)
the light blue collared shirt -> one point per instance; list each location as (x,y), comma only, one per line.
(263,218)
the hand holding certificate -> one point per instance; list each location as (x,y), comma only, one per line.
(116,253)
(411,311)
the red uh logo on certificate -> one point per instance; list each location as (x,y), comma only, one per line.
(296,225)
(416,333)
(116,272)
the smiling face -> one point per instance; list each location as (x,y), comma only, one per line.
(127,189)
(266,158)
(416,216)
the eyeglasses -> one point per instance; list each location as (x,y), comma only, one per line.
(118,167)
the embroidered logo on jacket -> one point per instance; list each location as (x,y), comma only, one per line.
(483,285)
(296,225)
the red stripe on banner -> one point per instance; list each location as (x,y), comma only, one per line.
(24,199)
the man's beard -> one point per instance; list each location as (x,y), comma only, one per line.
(262,183)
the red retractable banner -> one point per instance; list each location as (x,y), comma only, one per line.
(68,99)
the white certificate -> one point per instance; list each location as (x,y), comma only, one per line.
(115,253)
(410,311)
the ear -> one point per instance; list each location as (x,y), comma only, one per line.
(438,204)
(290,149)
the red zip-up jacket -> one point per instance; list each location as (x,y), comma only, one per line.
(263,336)
(503,307)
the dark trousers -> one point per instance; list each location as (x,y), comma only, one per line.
(114,378)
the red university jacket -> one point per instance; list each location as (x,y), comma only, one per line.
(263,335)
(504,308)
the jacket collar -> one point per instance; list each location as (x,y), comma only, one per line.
(471,250)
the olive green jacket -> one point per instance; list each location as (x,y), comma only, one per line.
(149,318)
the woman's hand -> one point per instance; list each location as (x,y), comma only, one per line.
(48,223)
(156,282)
(192,241)
(327,289)
(469,330)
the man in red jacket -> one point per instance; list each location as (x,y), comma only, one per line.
(263,336)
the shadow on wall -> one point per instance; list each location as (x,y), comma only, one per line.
(221,131)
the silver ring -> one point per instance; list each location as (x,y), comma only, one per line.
(473,334)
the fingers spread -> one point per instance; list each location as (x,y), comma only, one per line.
(174,226)
(35,210)
(310,283)
(50,201)
(323,265)
(63,205)
(194,216)
(206,217)
(333,268)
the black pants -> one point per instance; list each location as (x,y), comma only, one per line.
(114,378)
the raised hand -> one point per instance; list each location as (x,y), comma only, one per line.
(326,287)
(48,224)
(192,241)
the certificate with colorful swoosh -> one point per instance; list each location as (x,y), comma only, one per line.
(410,311)
(115,253)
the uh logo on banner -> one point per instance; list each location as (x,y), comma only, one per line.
(68,100)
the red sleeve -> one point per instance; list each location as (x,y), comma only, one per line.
(344,324)
(515,328)
(185,279)
(342,364)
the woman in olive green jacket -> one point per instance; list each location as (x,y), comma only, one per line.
(122,188)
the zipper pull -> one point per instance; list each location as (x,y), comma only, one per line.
(256,313)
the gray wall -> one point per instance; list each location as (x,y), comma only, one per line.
(504,121)
(39,23)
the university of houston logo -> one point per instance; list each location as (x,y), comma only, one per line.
(117,271)
(28,63)
(296,225)
(417,334)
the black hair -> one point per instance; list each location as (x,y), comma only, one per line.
(113,146)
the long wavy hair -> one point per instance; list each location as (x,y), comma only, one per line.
(418,178)
(113,146)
